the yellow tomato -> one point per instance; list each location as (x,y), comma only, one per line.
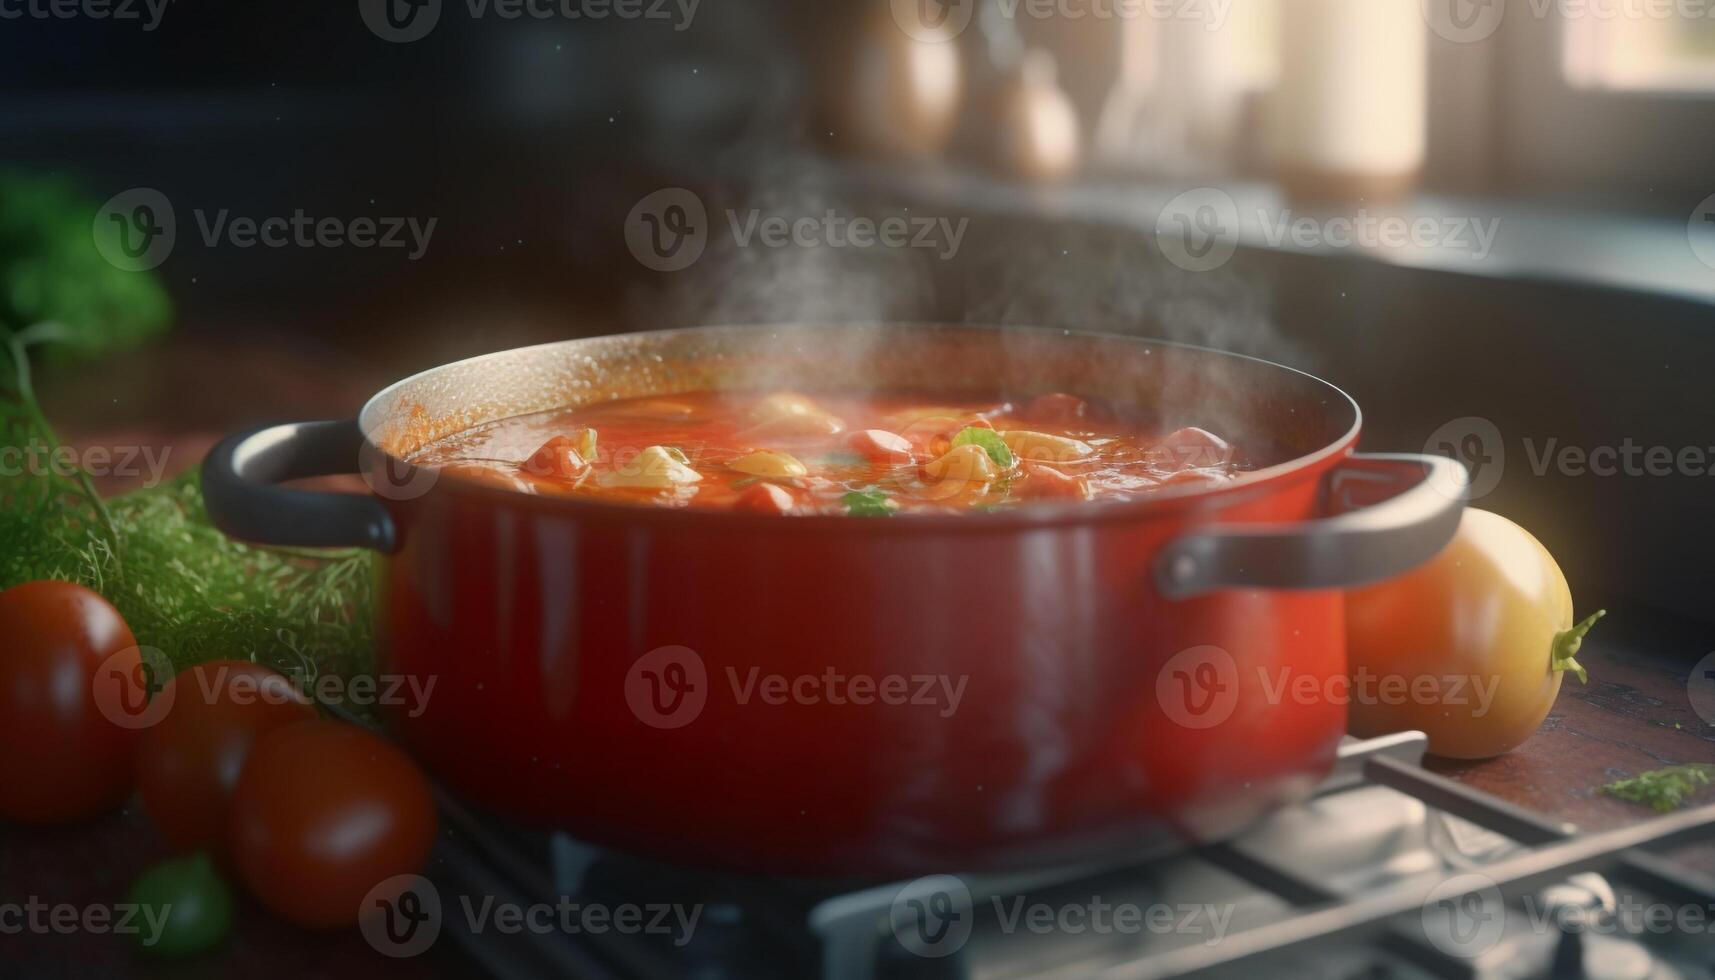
(1470,647)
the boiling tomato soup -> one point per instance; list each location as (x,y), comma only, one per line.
(789,453)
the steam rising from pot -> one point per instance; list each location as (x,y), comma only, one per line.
(1005,272)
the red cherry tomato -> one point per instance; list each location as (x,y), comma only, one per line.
(323,813)
(881,446)
(64,755)
(765,498)
(559,459)
(189,762)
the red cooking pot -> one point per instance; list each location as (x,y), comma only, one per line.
(825,694)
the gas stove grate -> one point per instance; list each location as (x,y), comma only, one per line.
(1369,919)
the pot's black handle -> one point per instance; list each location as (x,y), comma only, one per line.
(1363,544)
(238,478)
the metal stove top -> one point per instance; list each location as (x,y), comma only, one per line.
(1389,871)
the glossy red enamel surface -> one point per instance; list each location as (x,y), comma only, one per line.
(612,671)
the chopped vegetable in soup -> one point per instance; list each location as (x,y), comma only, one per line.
(789,453)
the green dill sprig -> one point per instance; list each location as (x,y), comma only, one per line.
(183,587)
(1663,790)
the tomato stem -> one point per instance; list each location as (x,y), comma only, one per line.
(1566,644)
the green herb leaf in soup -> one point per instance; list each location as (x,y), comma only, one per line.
(868,503)
(989,440)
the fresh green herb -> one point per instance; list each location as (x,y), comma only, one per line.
(868,503)
(989,440)
(58,295)
(56,285)
(1663,790)
(183,587)
(191,592)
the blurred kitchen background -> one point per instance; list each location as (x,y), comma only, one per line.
(1535,178)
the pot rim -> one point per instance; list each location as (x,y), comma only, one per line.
(1034,515)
